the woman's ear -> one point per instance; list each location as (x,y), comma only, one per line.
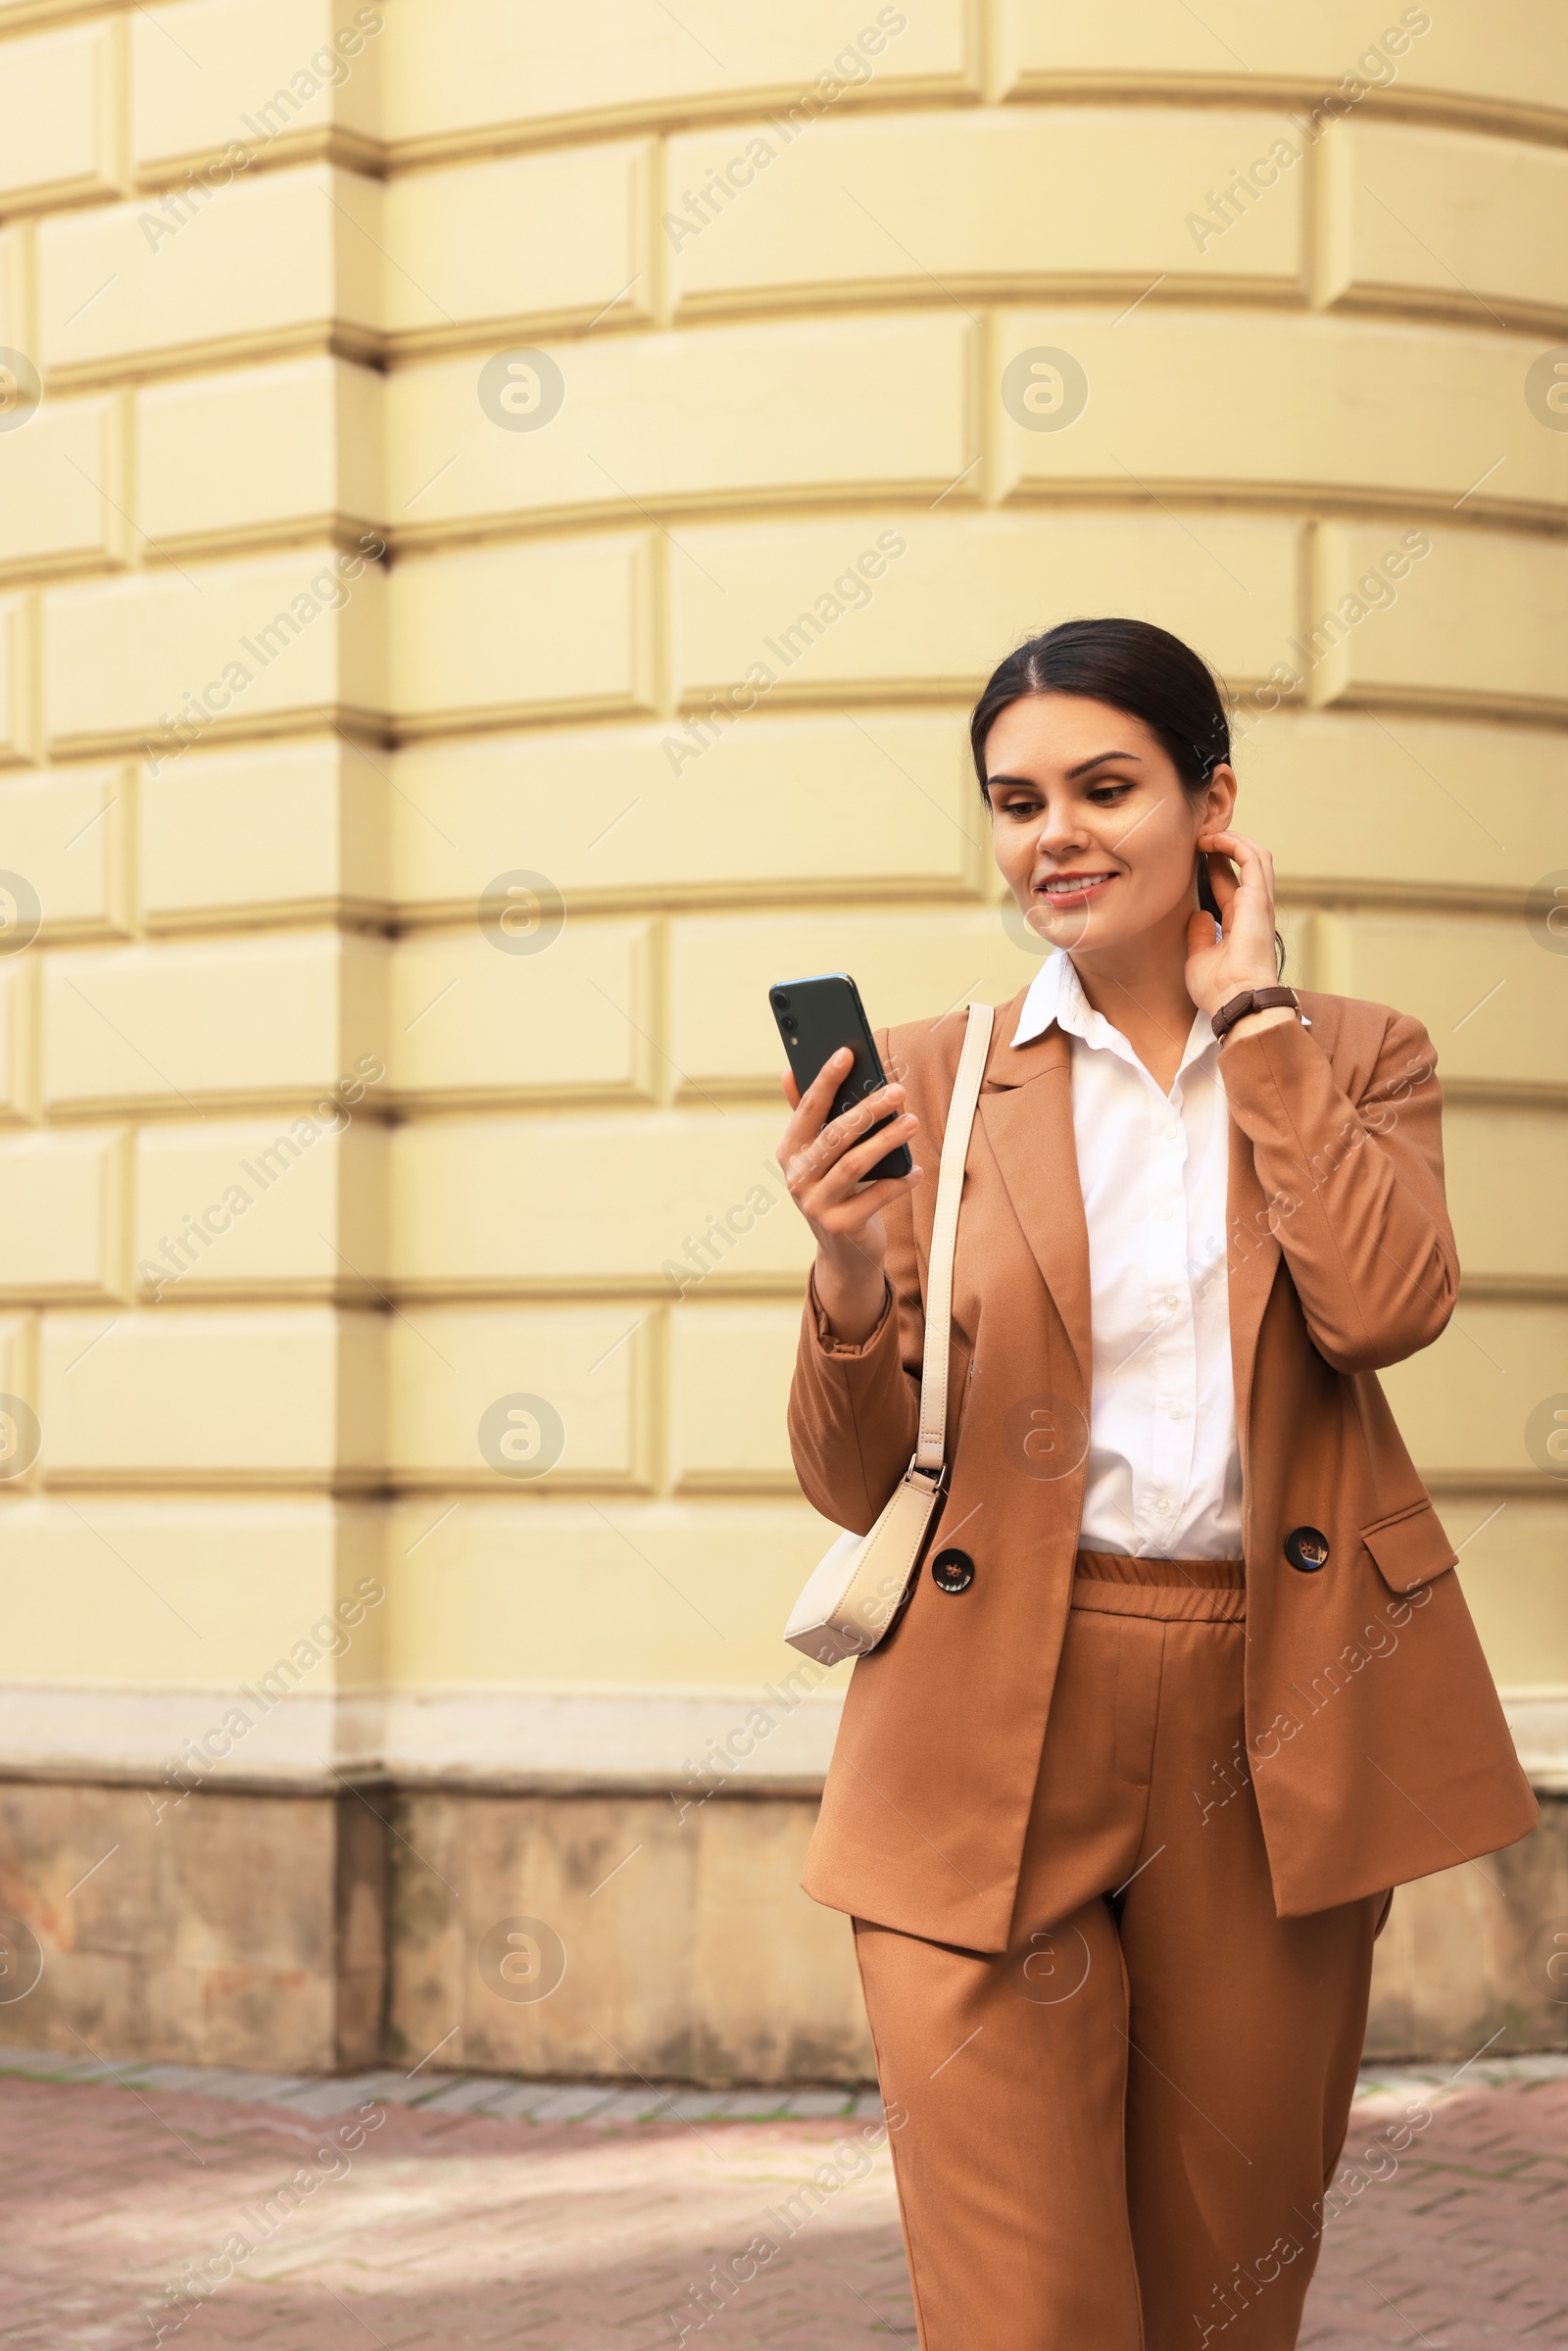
(1223,787)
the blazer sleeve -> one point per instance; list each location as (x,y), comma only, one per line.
(1355,1185)
(855,1411)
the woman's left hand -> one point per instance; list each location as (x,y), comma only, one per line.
(1242,955)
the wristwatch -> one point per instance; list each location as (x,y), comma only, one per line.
(1256,999)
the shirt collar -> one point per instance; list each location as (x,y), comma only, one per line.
(1056,993)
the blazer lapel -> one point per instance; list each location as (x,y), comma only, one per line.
(1026,1110)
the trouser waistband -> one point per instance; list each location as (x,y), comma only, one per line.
(1209,1590)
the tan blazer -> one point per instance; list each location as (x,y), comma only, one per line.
(1375,1740)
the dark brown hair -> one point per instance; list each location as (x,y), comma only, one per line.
(1138,669)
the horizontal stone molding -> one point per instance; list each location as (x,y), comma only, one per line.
(1539,1721)
(1203,499)
(395,919)
(1130,93)
(639,1739)
(581,1289)
(1477,319)
(960,84)
(1543,126)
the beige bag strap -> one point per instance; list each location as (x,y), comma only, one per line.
(944,1237)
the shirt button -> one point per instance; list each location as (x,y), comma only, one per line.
(1163,1506)
(1176,1412)
(1172,1302)
(1168,1134)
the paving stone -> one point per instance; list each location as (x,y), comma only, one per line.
(263,2089)
(331,2098)
(631,2106)
(387,2086)
(85,2069)
(691,2106)
(585,2228)
(572,2104)
(30,2061)
(172,2077)
(225,2084)
(461,2095)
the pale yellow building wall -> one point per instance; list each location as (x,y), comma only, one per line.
(262,384)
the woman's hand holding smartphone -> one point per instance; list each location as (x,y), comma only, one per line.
(825,1162)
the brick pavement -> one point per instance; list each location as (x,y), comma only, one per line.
(586,2219)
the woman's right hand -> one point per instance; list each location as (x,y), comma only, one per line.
(825,1166)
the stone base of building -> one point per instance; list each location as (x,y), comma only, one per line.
(322,1930)
(226,1930)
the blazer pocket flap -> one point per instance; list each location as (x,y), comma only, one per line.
(1410,1549)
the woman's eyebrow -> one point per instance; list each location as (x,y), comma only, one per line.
(1026,783)
(1099,760)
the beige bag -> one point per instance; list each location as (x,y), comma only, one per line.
(861,1583)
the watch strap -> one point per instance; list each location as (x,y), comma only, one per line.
(1253,999)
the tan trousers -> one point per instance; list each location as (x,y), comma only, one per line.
(1116,2135)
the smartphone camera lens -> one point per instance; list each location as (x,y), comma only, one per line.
(781,999)
(788,1022)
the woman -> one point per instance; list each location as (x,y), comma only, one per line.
(1187,1684)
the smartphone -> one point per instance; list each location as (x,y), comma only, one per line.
(816,1016)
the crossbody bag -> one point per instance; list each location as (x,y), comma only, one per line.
(861,1583)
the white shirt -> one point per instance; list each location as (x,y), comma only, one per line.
(1164,1462)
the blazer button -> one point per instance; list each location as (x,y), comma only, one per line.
(952,1571)
(1307,1549)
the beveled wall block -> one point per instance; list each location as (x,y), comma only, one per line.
(115,298)
(992,201)
(453,79)
(300,69)
(1495,210)
(59,117)
(740,1977)
(222,1931)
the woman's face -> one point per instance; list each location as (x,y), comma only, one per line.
(1094,832)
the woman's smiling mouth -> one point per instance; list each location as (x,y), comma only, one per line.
(1073,889)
